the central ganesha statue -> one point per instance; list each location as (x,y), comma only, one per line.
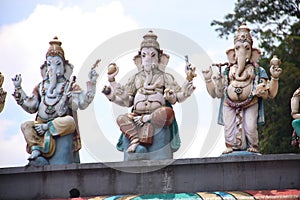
(150,131)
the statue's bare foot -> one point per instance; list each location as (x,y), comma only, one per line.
(228,150)
(41,128)
(34,155)
(133,145)
(253,150)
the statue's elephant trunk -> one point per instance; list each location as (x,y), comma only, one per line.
(242,59)
(52,82)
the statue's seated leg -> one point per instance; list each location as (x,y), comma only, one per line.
(163,117)
(36,143)
(128,128)
(153,139)
(141,151)
(34,154)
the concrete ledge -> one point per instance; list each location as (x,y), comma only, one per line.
(231,173)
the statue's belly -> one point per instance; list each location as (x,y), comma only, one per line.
(47,112)
(237,93)
(50,111)
(148,103)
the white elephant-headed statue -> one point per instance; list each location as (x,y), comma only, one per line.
(53,138)
(150,131)
(241,87)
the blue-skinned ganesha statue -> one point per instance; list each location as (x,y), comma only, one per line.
(53,138)
(150,131)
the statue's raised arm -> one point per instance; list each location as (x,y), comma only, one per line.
(150,92)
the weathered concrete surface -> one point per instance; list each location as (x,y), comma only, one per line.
(233,173)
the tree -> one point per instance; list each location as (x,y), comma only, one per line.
(277,130)
(276,26)
(270,20)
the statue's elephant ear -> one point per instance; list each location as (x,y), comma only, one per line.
(231,56)
(44,70)
(138,61)
(68,70)
(164,60)
(255,55)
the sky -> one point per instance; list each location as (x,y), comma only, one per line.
(26,27)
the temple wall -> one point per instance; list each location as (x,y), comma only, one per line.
(266,172)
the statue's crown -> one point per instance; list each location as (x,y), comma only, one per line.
(55,48)
(243,34)
(150,40)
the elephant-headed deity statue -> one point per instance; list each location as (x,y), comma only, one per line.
(2,93)
(295,101)
(242,86)
(149,131)
(53,138)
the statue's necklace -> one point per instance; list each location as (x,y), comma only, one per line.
(51,107)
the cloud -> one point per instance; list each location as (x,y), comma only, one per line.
(24,46)
(23,49)
(12,146)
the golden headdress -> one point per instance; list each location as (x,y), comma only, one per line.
(55,48)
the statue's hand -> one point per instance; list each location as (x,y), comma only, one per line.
(93,75)
(41,128)
(275,71)
(218,80)
(169,95)
(188,88)
(120,91)
(190,73)
(207,73)
(141,120)
(106,90)
(261,90)
(17,93)
(17,80)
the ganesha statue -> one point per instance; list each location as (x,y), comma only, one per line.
(53,138)
(149,131)
(2,93)
(242,86)
(295,102)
